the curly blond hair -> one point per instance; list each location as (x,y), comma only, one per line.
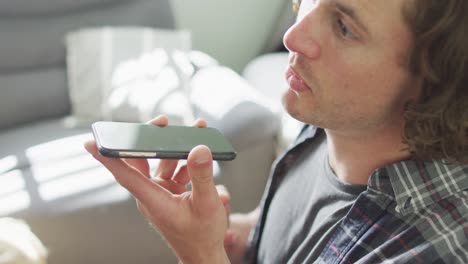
(437,126)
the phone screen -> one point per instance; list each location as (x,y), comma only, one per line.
(135,140)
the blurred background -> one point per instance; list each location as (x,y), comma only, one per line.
(235,32)
(65,64)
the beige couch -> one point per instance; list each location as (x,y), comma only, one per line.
(70,202)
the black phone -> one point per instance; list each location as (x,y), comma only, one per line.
(137,140)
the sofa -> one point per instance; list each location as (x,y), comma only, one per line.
(47,180)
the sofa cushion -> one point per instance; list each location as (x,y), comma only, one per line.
(79,211)
(229,103)
(20,142)
(38,40)
(42,7)
(73,204)
(266,73)
(30,95)
(33,47)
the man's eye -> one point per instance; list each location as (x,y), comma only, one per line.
(344,30)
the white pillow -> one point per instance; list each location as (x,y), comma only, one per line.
(155,83)
(94,55)
(18,244)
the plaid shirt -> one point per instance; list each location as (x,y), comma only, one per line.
(412,211)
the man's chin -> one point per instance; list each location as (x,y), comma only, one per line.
(294,112)
(292,105)
(301,115)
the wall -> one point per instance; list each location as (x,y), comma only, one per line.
(232,31)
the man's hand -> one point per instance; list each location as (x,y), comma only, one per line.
(236,241)
(193,222)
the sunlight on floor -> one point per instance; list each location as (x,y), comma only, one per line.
(60,169)
(14,202)
(13,196)
(11,182)
(58,149)
(8,163)
(72,184)
(47,171)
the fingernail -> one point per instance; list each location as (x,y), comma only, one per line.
(87,144)
(203,157)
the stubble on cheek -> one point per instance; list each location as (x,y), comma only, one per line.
(301,107)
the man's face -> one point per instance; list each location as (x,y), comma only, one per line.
(347,65)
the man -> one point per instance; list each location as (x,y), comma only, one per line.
(380,174)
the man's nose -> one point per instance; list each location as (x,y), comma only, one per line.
(302,38)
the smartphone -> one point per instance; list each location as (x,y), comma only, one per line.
(137,140)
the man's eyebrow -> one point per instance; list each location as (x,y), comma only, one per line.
(351,12)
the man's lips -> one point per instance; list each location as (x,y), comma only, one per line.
(295,81)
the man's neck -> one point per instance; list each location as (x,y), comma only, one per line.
(354,158)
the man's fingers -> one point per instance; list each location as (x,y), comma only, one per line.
(143,210)
(139,164)
(200,170)
(182,176)
(160,120)
(200,123)
(229,239)
(130,178)
(166,168)
(116,166)
(225,199)
(173,187)
(223,194)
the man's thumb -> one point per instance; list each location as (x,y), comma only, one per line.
(200,170)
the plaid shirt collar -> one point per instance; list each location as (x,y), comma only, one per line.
(416,185)
(413,184)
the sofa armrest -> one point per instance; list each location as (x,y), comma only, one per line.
(246,117)
(266,73)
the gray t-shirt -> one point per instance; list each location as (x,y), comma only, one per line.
(306,208)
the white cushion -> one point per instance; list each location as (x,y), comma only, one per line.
(102,60)
(227,101)
(18,244)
